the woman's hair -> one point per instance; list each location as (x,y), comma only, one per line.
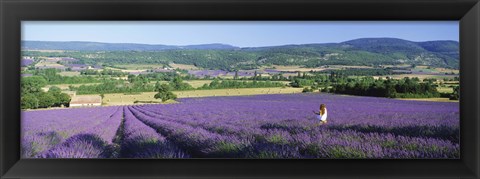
(322,108)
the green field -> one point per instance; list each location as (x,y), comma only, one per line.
(445,89)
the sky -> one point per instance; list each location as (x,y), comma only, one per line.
(237,33)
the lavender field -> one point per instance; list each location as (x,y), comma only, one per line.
(262,126)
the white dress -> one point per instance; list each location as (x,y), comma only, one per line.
(323,117)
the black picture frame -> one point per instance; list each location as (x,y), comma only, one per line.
(12,12)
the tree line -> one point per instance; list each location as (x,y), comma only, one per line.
(402,88)
(33,97)
(52,77)
(139,84)
(217,84)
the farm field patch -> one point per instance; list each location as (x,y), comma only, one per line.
(183,66)
(420,76)
(260,126)
(128,99)
(435,70)
(139,66)
(198,83)
(49,63)
(445,89)
(69,73)
(294,68)
(430,99)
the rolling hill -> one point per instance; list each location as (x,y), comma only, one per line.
(364,51)
(99,46)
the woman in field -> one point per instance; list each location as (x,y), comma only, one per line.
(322,114)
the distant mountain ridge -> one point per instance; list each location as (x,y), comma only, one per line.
(101,46)
(362,43)
(363,51)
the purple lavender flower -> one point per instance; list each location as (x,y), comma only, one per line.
(262,126)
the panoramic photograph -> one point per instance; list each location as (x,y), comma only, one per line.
(240,89)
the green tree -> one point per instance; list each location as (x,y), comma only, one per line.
(214,84)
(29,101)
(178,84)
(45,100)
(62,99)
(54,90)
(32,84)
(164,93)
(307,90)
(236,75)
(390,92)
(456,93)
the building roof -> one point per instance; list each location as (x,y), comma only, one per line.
(86,99)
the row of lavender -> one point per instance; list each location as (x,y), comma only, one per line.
(283,126)
(264,126)
(111,132)
(46,129)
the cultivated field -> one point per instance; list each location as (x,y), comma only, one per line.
(261,126)
(435,70)
(445,89)
(139,66)
(419,76)
(128,70)
(128,99)
(183,66)
(430,99)
(198,83)
(69,73)
(49,63)
(294,68)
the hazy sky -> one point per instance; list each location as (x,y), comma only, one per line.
(237,33)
